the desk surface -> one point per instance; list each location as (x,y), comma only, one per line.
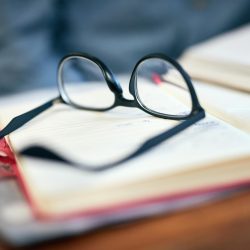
(222,225)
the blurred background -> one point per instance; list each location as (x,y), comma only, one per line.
(35,34)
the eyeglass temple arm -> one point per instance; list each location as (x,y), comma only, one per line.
(156,140)
(44,153)
(22,119)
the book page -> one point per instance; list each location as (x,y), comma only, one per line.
(227,104)
(96,138)
(231,48)
(222,60)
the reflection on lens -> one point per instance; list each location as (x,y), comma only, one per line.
(161,88)
(84,83)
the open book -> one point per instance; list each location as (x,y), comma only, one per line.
(223,60)
(209,154)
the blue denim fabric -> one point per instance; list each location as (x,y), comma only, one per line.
(34,34)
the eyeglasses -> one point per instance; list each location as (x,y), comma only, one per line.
(86,83)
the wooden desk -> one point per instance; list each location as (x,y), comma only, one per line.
(222,225)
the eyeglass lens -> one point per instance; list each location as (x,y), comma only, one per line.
(160,86)
(84,83)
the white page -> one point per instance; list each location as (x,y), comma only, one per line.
(227,104)
(223,60)
(228,48)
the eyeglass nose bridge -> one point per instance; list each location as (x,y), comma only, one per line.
(120,100)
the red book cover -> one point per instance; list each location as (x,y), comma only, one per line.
(7,160)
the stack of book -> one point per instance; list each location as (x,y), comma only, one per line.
(209,161)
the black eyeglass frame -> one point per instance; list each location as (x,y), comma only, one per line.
(197,112)
(116,89)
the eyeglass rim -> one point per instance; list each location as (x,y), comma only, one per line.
(134,91)
(113,85)
(116,89)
